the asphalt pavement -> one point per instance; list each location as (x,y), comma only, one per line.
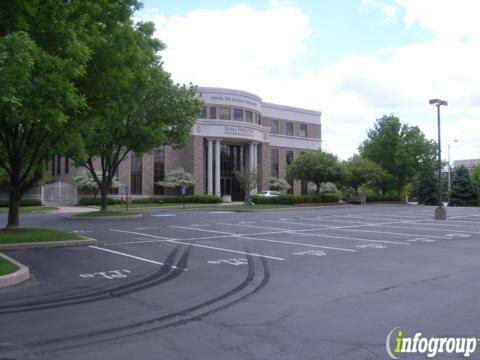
(324,283)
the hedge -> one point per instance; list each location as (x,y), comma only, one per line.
(295,199)
(97,201)
(23,202)
(199,199)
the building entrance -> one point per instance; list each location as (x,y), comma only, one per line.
(232,159)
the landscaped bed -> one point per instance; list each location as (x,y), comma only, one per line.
(6,267)
(24,235)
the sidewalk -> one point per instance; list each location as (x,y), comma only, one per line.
(73,209)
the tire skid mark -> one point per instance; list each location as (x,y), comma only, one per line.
(176,319)
(164,274)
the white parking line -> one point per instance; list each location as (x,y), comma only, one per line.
(246,236)
(300,232)
(131,256)
(201,246)
(434,229)
(292,243)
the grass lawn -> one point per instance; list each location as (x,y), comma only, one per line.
(29,209)
(23,235)
(108,213)
(160,206)
(7,267)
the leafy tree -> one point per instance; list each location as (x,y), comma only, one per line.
(38,99)
(275,183)
(84,180)
(359,171)
(247,179)
(134,104)
(177,178)
(475,176)
(463,190)
(425,186)
(400,149)
(317,166)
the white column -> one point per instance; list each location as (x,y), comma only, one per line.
(210,168)
(255,156)
(217,167)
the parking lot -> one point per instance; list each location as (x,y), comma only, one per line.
(322,283)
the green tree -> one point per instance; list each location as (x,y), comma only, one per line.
(475,176)
(84,180)
(316,166)
(463,190)
(134,104)
(425,186)
(359,171)
(400,149)
(38,99)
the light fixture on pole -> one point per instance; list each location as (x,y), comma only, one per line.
(440,211)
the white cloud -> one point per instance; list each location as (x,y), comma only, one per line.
(259,51)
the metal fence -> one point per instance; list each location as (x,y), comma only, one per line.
(59,193)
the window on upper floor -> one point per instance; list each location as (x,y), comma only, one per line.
(289,157)
(213,112)
(238,114)
(203,113)
(224,113)
(258,119)
(275,169)
(248,116)
(274,127)
(303,130)
(289,129)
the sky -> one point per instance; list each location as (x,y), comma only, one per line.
(354,60)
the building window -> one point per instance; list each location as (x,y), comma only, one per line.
(158,170)
(275,127)
(53,167)
(275,163)
(248,116)
(213,112)
(238,114)
(289,131)
(289,157)
(303,130)
(203,113)
(224,113)
(59,165)
(67,165)
(136,174)
(258,120)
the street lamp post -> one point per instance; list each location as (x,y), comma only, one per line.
(440,211)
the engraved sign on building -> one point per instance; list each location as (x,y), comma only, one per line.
(240,131)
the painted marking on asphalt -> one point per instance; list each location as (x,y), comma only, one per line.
(205,230)
(292,243)
(221,212)
(204,246)
(300,232)
(434,229)
(110,275)
(373,246)
(420,239)
(245,236)
(234,261)
(163,215)
(311,252)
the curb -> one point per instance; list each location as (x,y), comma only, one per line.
(21,275)
(73,217)
(48,244)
